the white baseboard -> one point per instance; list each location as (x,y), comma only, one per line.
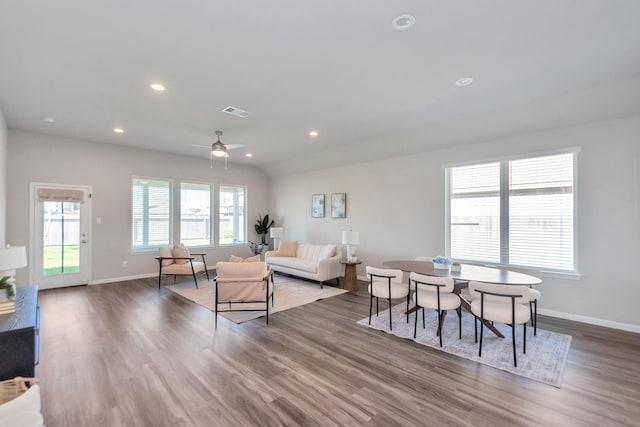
(122,279)
(576,317)
(591,320)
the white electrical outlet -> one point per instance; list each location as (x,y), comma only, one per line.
(125,264)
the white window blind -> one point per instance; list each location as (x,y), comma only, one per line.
(150,213)
(195,214)
(232,215)
(518,212)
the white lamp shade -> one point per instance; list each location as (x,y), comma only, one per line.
(350,237)
(276,232)
(13,258)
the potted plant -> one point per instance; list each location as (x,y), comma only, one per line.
(7,291)
(262,227)
(456,266)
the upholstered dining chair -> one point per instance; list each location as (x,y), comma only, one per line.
(243,282)
(508,304)
(177,261)
(435,293)
(534,295)
(388,284)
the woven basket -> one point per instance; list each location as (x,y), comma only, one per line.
(10,389)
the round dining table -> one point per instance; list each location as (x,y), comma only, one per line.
(466,274)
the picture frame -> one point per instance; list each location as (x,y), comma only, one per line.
(317,206)
(339,205)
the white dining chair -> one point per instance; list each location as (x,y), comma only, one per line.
(506,304)
(435,293)
(388,284)
(534,295)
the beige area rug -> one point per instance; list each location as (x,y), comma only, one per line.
(289,293)
(544,361)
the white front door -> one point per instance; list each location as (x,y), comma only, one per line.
(60,230)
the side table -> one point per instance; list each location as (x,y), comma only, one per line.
(350,276)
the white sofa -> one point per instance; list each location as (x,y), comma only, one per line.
(315,262)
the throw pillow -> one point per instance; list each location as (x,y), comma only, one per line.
(288,248)
(166,252)
(233,258)
(28,404)
(327,252)
(181,251)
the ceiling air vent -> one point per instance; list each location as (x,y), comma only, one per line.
(236,112)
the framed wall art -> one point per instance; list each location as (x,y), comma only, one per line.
(338,205)
(317,206)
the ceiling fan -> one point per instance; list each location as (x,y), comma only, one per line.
(218,149)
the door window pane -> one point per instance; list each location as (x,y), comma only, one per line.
(61,238)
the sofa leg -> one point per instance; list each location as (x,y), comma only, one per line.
(321,283)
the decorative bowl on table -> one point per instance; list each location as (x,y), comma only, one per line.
(441,262)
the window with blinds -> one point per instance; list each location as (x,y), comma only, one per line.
(518,212)
(150,213)
(195,214)
(232,215)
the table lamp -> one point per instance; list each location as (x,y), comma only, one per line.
(12,258)
(350,238)
(276,234)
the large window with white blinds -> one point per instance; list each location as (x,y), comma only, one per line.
(233,215)
(150,213)
(517,212)
(196,214)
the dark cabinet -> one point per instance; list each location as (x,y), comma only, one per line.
(19,340)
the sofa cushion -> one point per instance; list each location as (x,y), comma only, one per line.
(166,252)
(233,258)
(288,248)
(308,265)
(181,251)
(327,252)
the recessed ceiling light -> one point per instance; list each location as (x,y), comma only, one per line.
(248,155)
(48,120)
(403,22)
(118,130)
(313,133)
(464,81)
(158,87)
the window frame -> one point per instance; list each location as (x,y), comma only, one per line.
(150,248)
(212,192)
(504,208)
(245,214)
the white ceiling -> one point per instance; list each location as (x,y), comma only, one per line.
(336,66)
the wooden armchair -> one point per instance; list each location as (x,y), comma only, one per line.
(243,282)
(179,262)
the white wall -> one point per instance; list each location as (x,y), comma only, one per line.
(108,170)
(3,179)
(398,205)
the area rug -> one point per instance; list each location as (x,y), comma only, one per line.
(288,293)
(544,361)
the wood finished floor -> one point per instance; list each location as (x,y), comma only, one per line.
(123,354)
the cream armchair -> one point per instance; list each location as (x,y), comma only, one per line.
(177,261)
(243,282)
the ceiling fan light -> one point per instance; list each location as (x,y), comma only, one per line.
(218,149)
